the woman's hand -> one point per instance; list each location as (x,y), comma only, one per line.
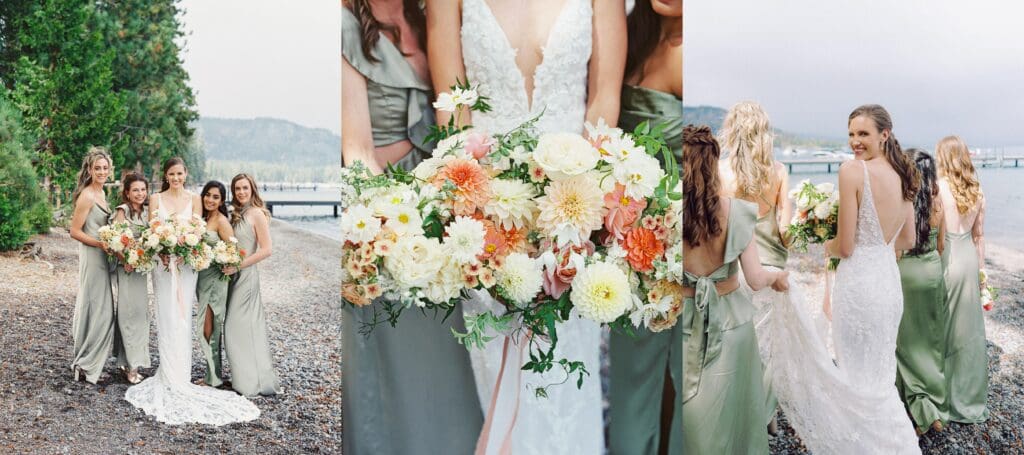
(229,270)
(166,260)
(781,283)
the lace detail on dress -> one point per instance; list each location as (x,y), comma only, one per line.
(560,80)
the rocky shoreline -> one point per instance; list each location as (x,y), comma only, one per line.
(43,411)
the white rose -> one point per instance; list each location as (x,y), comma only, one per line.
(415,260)
(564,155)
(191,239)
(822,210)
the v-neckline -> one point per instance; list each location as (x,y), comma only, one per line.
(408,65)
(515,51)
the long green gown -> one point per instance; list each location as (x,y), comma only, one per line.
(966,355)
(212,291)
(773,254)
(245,326)
(93,323)
(638,363)
(408,389)
(132,330)
(921,343)
(723,389)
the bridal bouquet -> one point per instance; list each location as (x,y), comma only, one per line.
(226,254)
(169,236)
(817,214)
(126,244)
(544,223)
(989,294)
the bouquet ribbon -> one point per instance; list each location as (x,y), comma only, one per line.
(504,407)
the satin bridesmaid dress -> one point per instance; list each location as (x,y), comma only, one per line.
(92,326)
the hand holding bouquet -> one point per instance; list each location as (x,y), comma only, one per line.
(170,237)
(227,254)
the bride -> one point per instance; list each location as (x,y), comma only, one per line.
(169,395)
(852,406)
(564,58)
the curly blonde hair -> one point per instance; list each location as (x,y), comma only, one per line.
(747,138)
(955,165)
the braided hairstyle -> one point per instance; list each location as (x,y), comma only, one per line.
(700,185)
(925,198)
(891,149)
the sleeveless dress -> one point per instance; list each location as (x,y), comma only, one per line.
(851,406)
(132,330)
(245,326)
(966,355)
(212,292)
(723,394)
(92,326)
(921,344)
(568,420)
(638,363)
(393,377)
(169,395)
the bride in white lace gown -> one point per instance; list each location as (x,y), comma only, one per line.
(852,406)
(169,395)
(564,58)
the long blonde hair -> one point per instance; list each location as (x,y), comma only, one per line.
(747,138)
(85,174)
(956,166)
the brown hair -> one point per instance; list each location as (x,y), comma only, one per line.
(127,180)
(700,185)
(893,153)
(237,209)
(924,199)
(955,165)
(171,162)
(643,27)
(85,174)
(370,28)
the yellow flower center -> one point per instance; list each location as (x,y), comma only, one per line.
(403,218)
(361,224)
(572,207)
(624,200)
(490,248)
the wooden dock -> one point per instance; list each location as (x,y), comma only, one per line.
(827,162)
(336,205)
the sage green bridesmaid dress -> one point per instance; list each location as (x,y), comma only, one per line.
(92,326)
(773,254)
(638,364)
(921,343)
(132,330)
(212,292)
(408,389)
(966,355)
(245,325)
(723,388)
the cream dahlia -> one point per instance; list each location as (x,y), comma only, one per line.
(600,292)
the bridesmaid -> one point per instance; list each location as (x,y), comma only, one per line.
(211,290)
(132,330)
(963,257)
(751,173)
(646,369)
(921,343)
(415,377)
(723,390)
(93,323)
(245,327)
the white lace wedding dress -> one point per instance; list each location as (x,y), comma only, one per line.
(569,420)
(169,395)
(850,406)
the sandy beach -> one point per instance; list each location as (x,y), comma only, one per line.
(1004,328)
(43,411)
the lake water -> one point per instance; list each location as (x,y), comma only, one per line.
(1004,210)
(319,220)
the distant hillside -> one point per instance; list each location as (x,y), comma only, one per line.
(268,140)
(714,116)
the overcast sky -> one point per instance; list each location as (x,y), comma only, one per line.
(266,58)
(939,66)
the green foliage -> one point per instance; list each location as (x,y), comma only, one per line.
(19,190)
(40,217)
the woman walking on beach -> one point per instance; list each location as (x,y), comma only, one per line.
(963,258)
(921,342)
(751,173)
(93,323)
(211,289)
(132,330)
(391,376)
(646,369)
(245,327)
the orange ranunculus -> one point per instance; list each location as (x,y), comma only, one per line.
(516,240)
(472,185)
(623,211)
(642,248)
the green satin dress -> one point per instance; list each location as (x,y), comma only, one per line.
(921,343)
(638,364)
(966,355)
(245,326)
(212,291)
(132,330)
(93,323)
(723,388)
(773,254)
